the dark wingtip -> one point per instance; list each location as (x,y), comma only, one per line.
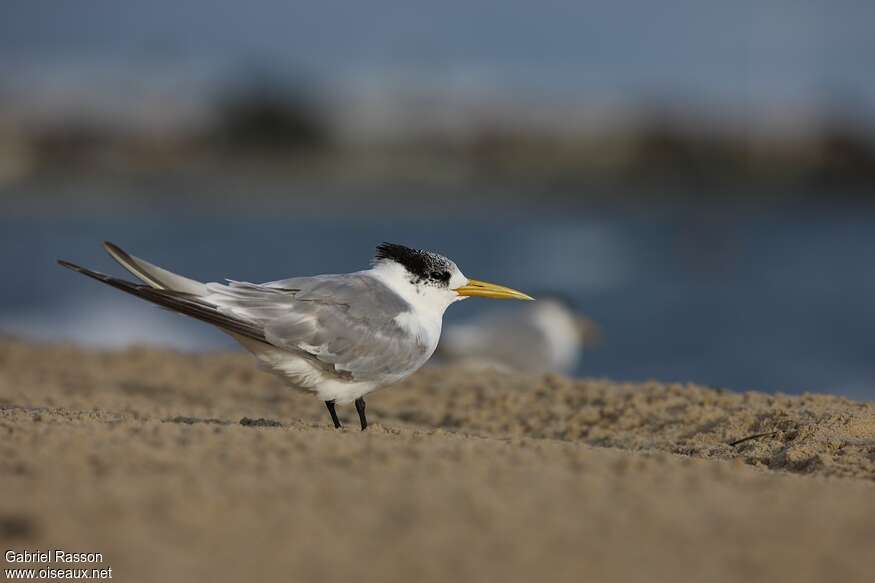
(119,255)
(68,265)
(113,248)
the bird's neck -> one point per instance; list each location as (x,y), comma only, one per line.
(425,300)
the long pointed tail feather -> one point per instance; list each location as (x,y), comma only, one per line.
(176,301)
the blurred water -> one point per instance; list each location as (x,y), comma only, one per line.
(772,300)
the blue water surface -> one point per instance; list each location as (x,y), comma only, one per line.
(775,300)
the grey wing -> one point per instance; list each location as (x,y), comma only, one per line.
(347,322)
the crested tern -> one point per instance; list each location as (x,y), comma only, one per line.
(340,336)
(540,337)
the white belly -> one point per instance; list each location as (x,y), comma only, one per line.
(302,374)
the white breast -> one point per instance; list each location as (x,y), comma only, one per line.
(423,329)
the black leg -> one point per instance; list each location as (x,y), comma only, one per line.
(360,407)
(330,405)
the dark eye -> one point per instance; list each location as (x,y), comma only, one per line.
(440,275)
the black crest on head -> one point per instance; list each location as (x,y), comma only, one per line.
(423,265)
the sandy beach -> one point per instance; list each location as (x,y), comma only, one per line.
(199,467)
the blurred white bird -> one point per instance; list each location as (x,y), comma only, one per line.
(546,336)
(338,336)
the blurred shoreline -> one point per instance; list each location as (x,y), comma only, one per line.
(287,140)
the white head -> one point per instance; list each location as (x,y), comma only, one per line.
(427,279)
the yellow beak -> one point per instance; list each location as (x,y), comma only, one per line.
(484,289)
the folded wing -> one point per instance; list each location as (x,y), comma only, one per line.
(345,321)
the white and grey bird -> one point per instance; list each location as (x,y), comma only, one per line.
(546,336)
(340,336)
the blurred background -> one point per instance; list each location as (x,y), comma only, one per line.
(697,178)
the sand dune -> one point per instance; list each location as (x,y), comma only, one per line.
(198,467)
